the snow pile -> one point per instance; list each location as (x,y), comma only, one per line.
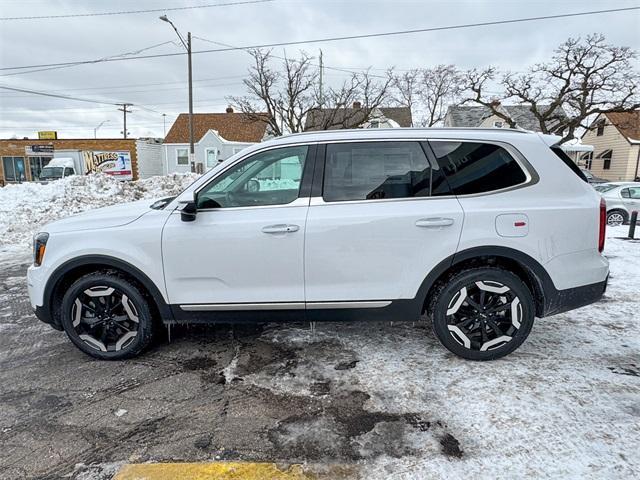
(27,206)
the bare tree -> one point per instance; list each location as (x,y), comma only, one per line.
(429,92)
(583,78)
(283,98)
(442,86)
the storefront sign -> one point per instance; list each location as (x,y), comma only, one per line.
(117,164)
(48,135)
(39,150)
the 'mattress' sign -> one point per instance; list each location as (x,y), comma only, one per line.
(117,164)
(39,150)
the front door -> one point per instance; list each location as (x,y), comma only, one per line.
(246,244)
(384,220)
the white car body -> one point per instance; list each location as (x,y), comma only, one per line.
(380,256)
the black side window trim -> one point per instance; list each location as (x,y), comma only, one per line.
(321,159)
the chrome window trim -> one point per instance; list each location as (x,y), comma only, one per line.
(298,202)
(531,176)
(210,307)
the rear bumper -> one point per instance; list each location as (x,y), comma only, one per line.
(560,301)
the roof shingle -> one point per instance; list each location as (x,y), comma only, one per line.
(473,116)
(353,117)
(627,122)
(234,127)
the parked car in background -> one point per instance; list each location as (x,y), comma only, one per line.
(58,168)
(591,178)
(622,198)
(482,230)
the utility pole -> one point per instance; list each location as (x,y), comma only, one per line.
(187,46)
(124,112)
(321,92)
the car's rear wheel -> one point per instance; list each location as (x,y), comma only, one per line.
(482,313)
(107,316)
(616,218)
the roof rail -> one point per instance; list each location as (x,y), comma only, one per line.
(413,129)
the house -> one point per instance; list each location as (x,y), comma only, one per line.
(482,117)
(339,118)
(616,141)
(217,136)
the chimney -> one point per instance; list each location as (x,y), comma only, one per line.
(229,109)
(357,105)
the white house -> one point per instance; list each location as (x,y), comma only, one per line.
(217,136)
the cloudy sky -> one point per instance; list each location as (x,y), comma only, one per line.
(156,86)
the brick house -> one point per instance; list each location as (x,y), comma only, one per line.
(21,160)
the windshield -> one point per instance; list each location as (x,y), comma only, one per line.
(51,172)
(605,187)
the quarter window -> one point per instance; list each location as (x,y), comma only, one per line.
(472,167)
(378,170)
(182,156)
(267,178)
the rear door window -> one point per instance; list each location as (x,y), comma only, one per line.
(379,170)
(475,167)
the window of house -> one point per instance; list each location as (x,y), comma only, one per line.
(378,170)
(266,178)
(182,156)
(606,157)
(498,124)
(472,167)
(14,169)
(374,124)
(36,164)
(600,128)
(587,159)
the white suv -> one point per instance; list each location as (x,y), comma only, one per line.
(481,230)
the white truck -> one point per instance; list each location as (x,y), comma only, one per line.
(81,162)
(59,168)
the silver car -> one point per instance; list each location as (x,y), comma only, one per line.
(622,198)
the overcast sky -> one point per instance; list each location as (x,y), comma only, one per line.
(160,84)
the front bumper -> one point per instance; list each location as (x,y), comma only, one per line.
(35,286)
(559,301)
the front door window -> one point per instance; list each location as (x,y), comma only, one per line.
(266,178)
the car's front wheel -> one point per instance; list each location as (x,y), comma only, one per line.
(482,313)
(107,316)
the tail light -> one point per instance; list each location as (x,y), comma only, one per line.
(603,224)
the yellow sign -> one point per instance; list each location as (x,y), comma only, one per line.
(48,135)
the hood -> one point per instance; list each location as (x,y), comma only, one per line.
(107,217)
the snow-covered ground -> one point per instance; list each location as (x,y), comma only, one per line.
(27,206)
(564,405)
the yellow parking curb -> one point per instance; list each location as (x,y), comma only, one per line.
(210,471)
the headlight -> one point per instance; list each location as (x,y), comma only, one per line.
(39,247)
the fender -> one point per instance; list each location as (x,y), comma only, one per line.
(535,270)
(103,260)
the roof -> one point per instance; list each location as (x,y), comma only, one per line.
(473,116)
(627,122)
(353,117)
(234,127)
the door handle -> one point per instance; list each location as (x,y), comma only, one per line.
(434,222)
(280,228)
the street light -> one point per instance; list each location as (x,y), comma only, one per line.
(187,46)
(95,130)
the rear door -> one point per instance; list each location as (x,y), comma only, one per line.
(381,217)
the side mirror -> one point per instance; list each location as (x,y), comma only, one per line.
(188,212)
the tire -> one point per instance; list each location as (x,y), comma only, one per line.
(107,316)
(616,218)
(507,316)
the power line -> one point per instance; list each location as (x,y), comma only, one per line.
(65,97)
(336,39)
(127,12)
